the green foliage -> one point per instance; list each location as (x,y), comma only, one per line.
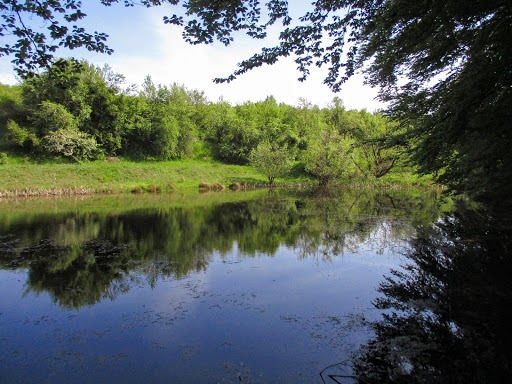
(44,27)
(20,136)
(151,128)
(81,112)
(11,107)
(375,153)
(50,117)
(271,160)
(88,93)
(165,138)
(232,136)
(60,84)
(71,143)
(327,156)
(100,89)
(443,66)
(4,159)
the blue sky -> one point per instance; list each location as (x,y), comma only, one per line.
(144,45)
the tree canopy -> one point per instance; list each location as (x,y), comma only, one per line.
(33,31)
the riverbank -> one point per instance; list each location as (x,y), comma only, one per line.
(108,177)
(111,177)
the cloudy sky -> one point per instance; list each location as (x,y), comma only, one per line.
(144,45)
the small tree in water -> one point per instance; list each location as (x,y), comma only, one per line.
(270,159)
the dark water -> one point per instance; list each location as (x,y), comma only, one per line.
(286,287)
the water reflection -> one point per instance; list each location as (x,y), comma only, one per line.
(82,258)
(446,312)
(231,287)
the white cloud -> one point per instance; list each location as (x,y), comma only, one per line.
(168,58)
(196,66)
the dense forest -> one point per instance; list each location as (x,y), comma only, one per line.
(79,112)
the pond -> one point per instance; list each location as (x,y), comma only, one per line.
(335,286)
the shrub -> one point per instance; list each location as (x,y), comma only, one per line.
(271,160)
(71,143)
(3,158)
(217,187)
(155,189)
(327,156)
(51,117)
(21,136)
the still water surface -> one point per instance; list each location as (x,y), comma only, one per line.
(259,287)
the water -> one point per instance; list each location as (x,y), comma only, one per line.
(253,287)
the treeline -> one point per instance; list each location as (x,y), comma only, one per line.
(82,112)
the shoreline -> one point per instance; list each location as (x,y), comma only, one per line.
(125,177)
(85,191)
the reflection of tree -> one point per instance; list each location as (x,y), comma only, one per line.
(335,221)
(445,313)
(77,276)
(83,258)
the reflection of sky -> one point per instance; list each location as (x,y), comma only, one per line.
(269,318)
(281,318)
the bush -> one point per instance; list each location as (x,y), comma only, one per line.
(21,136)
(271,160)
(3,158)
(71,143)
(52,117)
(327,156)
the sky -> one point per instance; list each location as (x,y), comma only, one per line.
(143,45)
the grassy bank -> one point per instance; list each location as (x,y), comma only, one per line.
(125,176)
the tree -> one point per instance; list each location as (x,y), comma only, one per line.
(271,160)
(231,136)
(34,47)
(375,151)
(89,95)
(327,156)
(10,104)
(33,31)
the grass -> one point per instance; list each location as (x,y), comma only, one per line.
(19,177)
(126,176)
